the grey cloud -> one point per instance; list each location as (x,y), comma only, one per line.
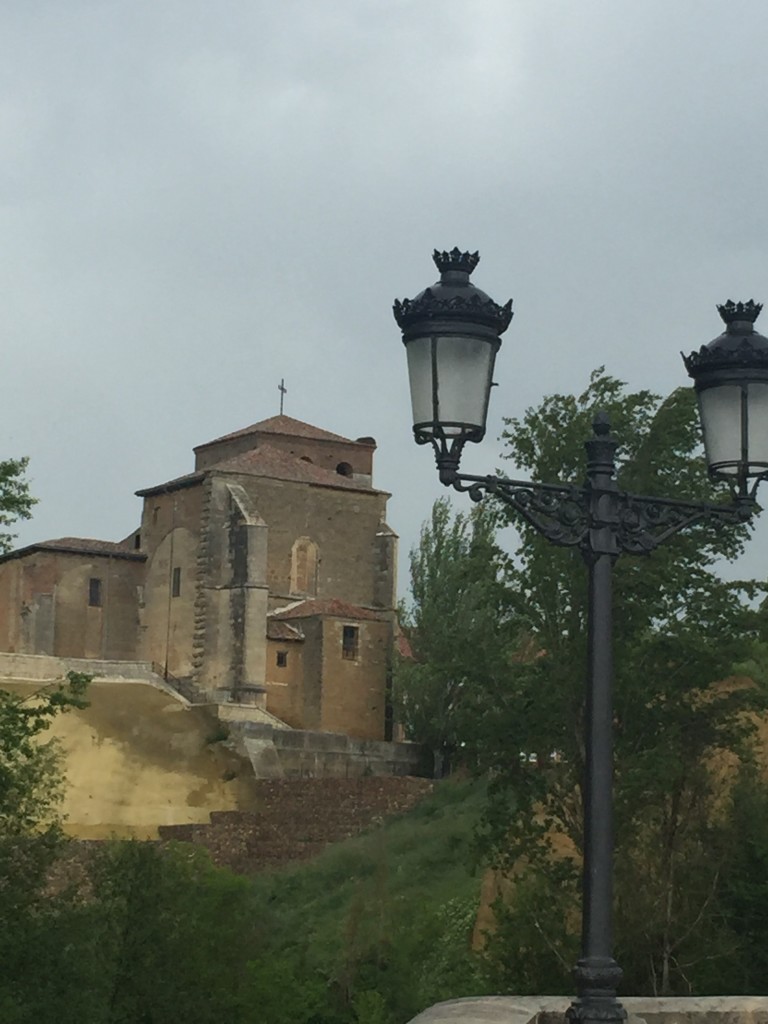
(197,200)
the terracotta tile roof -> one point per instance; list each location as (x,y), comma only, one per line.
(331,606)
(188,480)
(269,461)
(282,631)
(81,546)
(85,544)
(266,461)
(288,426)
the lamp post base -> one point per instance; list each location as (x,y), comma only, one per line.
(597,979)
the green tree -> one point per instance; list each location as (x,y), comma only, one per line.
(31,776)
(745,890)
(176,937)
(682,735)
(31,781)
(16,502)
(40,922)
(459,628)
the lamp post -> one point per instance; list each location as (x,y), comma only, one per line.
(451,333)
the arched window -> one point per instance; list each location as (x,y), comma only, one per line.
(304,567)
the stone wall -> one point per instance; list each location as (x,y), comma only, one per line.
(43,669)
(44,604)
(292,754)
(640,1010)
(295,820)
(343,523)
(139,756)
(328,454)
(354,689)
(284,684)
(232,598)
(170,534)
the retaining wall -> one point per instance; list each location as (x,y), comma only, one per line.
(292,754)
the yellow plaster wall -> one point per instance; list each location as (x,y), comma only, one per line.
(137,758)
(285,686)
(354,690)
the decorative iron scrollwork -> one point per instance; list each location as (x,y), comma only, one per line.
(560,513)
(566,514)
(645,523)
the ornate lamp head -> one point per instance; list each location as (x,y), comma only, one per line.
(730,375)
(451,332)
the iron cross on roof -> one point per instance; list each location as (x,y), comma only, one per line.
(283,392)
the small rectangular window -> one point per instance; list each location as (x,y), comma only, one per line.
(349,642)
(137,541)
(94,592)
(176,582)
(282,659)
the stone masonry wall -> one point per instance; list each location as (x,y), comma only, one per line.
(295,820)
(170,533)
(354,689)
(342,523)
(44,605)
(294,754)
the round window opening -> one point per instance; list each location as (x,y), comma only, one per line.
(344,469)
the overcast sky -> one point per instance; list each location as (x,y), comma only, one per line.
(198,199)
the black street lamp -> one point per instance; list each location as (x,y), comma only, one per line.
(451,334)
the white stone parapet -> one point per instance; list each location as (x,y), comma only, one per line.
(640,1010)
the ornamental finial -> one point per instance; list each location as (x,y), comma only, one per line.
(456,260)
(733,311)
(453,300)
(601,424)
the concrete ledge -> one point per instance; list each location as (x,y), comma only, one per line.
(640,1010)
(246,713)
(46,668)
(300,753)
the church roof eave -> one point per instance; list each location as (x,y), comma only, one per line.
(287,426)
(88,546)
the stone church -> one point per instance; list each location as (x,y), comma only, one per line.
(265,577)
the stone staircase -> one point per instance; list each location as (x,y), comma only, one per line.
(297,818)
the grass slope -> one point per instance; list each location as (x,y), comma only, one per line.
(390,912)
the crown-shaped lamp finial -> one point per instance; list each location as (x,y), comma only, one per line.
(456,260)
(732,311)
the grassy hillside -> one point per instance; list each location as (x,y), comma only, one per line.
(371,931)
(387,917)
